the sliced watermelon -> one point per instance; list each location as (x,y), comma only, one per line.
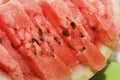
(99,20)
(25,38)
(8,64)
(28,75)
(61,17)
(48,33)
(59,51)
(80,18)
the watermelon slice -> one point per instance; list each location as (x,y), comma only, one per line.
(55,42)
(97,17)
(8,64)
(79,17)
(75,37)
(48,33)
(26,41)
(28,75)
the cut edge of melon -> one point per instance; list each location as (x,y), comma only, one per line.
(82,72)
(4,76)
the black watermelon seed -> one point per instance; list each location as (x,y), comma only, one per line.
(48,31)
(34,53)
(52,55)
(94,29)
(65,33)
(82,35)
(73,25)
(40,32)
(59,42)
(83,49)
(36,41)
(0,41)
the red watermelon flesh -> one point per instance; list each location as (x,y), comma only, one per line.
(48,33)
(60,16)
(8,64)
(108,5)
(58,45)
(28,75)
(64,23)
(3,1)
(25,40)
(79,18)
(102,26)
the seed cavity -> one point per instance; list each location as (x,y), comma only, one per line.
(73,25)
(83,49)
(65,33)
(28,45)
(82,35)
(36,41)
(0,41)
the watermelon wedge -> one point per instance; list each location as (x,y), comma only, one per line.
(48,33)
(28,75)
(55,39)
(78,16)
(8,64)
(76,38)
(100,21)
(25,40)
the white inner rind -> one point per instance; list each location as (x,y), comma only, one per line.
(4,76)
(82,72)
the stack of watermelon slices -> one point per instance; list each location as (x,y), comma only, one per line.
(55,39)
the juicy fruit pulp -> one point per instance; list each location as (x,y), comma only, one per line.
(54,39)
(15,55)
(98,18)
(41,63)
(76,38)
(48,33)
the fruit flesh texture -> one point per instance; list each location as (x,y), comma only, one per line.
(54,10)
(79,17)
(8,64)
(99,21)
(48,33)
(5,42)
(47,67)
